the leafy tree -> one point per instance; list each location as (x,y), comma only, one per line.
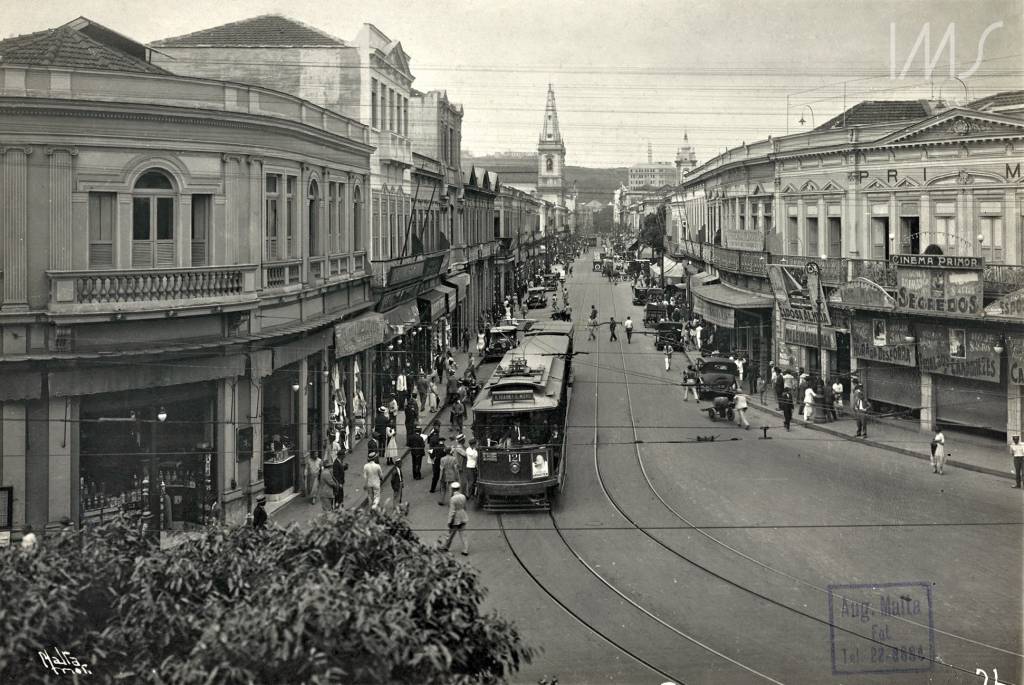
(353,597)
(652,234)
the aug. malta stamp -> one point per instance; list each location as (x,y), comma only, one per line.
(881,628)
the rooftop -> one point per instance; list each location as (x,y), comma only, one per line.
(872,112)
(265,30)
(1011,98)
(69,46)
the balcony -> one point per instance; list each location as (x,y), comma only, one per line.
(833,269)
(282,274)
(328,268)
(1003,278)
(394,148)
(386,273)
(145,289)
(877,270)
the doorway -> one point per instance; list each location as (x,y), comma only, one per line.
(880,237)
(910,234)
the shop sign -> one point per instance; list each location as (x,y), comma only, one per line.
(1011,305)
(863,292)
(806,335)
(816,293)
(1016,352)
(783,283)
(716,314)
(939,290)
(780,281)
(935,261)
(960,352)
(351,337)
(389,299)
(434,265)
(882,340)
(243,444)
(752,241)
(403,273)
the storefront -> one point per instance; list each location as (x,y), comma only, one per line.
(130,440)
(354,342)
(742,320)
(393,356)
(886,355)
(435,326)
(458,314)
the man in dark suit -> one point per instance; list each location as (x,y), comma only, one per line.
(436,443)
(416,449)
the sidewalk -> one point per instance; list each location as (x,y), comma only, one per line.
(969,451)
(300,509)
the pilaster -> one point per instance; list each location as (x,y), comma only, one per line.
(12,456)
(61,414)
(14,226)
(61,220)
(927,402)
(1014,410)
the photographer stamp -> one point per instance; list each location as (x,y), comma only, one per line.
(881,628)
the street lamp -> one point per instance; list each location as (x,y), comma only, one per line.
(802,120)
(812,268)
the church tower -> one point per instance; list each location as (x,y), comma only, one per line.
(551,155)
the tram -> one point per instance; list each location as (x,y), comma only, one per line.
(519,421)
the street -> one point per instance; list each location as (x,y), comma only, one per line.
(666,558)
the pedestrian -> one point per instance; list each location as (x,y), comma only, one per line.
(259,513)
(449,474)
(416,445)
(860,411)
(668,357)
(837,398)
(433,399)
(28,539)
(809,397)
(472,454)
(1017,452)
(480,338)
(393,411)
(372,476)
(391,451)
(313,465)
(762,386)
(786,403)
(457,520)
(338,469)
(778,384)
(460,452)
(397,486)
(592,324)
(938,450)
(437,450)
(372,446)
(458,413)
(741,363)
(326,487)
(612,324)
(380,425)
(690,379)
(412,414)
(628,326)
(451,390)
(740,401)
(828,399)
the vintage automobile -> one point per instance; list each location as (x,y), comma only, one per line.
(550,282)
(536,298)
(654,310)
(717,377)
(668,333)
(500,339)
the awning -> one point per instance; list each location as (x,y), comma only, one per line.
(674,271)
(289,353)
(633,246)
(21,385)
(400,319)
(434,302)
(101,378)
(727,296)
(702,278)
(461,284)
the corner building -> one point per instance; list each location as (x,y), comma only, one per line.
(184,318)
(914,214)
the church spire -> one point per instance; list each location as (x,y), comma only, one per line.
(550,132)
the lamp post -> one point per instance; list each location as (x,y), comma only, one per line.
(156,495)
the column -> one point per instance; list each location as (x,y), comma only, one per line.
(12,456)
(224,241)
(256,202)
(183,232)
(14,226)
(123,232)
(302,420)
(59,456)
(61,246)
(924,221)
(1014,410)
(928,397)
(801,227)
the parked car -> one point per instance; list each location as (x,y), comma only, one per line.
(550,281)
(717,377)
(536,298)
(500,339)
(668,333)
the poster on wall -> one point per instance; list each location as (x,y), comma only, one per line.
(959,352)
(882,340)
(956,292)
(1015,349)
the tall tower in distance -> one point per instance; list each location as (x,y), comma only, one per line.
(686,158)
(551,155)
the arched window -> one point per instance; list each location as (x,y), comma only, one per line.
(313,200)
(153,202)
(357,220)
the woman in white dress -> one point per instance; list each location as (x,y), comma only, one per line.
(391,451)
(809,397)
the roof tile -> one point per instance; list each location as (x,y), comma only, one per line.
(67,47)
(872,112)
(264,30)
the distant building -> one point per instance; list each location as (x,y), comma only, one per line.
(686,159)
(652,174)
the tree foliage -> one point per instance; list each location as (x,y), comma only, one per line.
(354,597)
(652,234)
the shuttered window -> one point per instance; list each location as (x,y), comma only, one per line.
(102,221)
(201,205)
(153,221)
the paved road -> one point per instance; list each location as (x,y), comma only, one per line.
(668,559)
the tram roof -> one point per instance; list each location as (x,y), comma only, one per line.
(536,387)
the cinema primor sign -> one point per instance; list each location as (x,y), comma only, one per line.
(939,284)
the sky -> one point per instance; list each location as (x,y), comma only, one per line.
(633,73)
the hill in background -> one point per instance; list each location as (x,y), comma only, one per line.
(521,168)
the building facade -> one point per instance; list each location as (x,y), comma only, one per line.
(182,320)
(915,228)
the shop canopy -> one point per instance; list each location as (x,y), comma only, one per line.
(461,283)
(675,272)
(734,298)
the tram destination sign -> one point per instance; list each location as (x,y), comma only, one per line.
(937,261)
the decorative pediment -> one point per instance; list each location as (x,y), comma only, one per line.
(908,183)
(965,178)
(875,184)
(831,187)
(956,124)
(809,187)
(790,188)
(397,57)
(758,190)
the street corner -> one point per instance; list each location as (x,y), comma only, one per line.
(881,628)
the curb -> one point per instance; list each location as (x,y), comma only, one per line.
(879,445)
